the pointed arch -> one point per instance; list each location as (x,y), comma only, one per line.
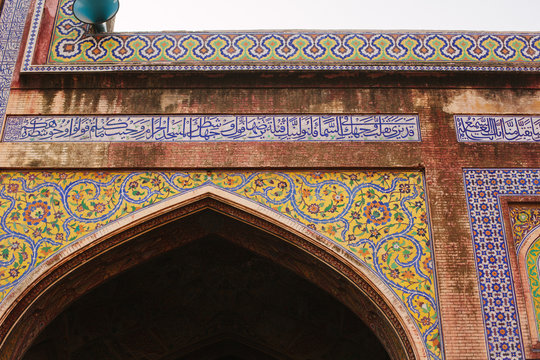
(528,265)
(90,261)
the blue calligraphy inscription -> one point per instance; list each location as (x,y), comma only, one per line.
(515,128)
(213,128)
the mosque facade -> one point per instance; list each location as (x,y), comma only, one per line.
(266,195)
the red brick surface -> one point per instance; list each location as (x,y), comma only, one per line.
(435,97)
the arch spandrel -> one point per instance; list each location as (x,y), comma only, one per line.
(376,222)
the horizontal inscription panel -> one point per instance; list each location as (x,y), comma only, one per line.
(497,128)
(182,128)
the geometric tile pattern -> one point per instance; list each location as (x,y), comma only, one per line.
(496,128)
(72,48)
(12,22)
(380,218)
(484,188)
(213,128)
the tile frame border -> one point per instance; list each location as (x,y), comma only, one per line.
(12,25)
(500,237)
(345,65)
(518,257)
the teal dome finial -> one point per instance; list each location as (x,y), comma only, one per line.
(95,12)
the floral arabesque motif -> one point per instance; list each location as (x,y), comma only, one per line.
(523,221)
(380,218)
(377,212)
(36,212)
(534,279)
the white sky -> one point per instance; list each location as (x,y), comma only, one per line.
(200,15)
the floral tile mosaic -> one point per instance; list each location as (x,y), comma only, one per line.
(484,188)
(72,48)
(381,218)
(534,283)
(523,220)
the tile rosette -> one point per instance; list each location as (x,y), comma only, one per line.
(380,218)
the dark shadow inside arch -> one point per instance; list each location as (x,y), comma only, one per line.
(173,306)
(205,286)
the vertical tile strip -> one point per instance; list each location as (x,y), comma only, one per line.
(12,23)
(484,188)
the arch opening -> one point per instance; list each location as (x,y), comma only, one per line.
(528,269)
(130,250)
(178,304)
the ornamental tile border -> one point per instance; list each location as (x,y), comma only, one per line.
(497,128)
(185,128)
(484,189)
(12,21)
(379,218)
(73,49)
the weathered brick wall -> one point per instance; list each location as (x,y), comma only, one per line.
(434,97)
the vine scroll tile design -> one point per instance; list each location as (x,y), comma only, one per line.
(380,218)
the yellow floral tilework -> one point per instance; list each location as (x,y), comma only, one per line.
(379,217)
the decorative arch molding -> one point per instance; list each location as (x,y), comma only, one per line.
(528,263)
(56,271)
(375,222)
